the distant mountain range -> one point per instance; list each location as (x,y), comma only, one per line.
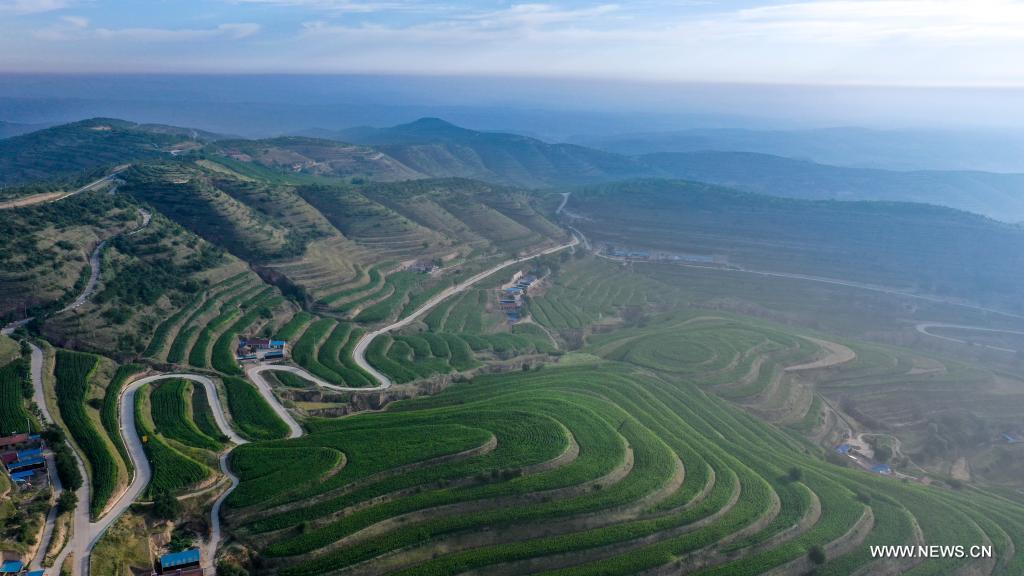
(8,129)
(852,147)
(434,148)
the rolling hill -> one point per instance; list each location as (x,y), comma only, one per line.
(930,249)
(999,196)
(438,148)
(65,150)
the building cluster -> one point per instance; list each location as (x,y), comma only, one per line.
(184,563)
(250,349)
(422,266)
(510,299)
(853,452)
(619,252)
(22,457)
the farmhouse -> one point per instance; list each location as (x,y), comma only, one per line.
(260,349)
(422,266)
(184,563)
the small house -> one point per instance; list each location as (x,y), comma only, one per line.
(12,567)
(179,562)
(883,469)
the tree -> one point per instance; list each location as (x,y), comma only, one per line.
(166,506)
(795,474)
(67,501)
(817,555)
(883,453)
(227,568)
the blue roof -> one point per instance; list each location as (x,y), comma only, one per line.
(843,448)
(22,475)
(173,559)
(36,573)
(30,452)
(11,567)
(27,462)
(278,342)
(882,469)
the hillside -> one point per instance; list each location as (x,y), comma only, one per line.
(64,150)
(930,249)
(999,196)
(437,148)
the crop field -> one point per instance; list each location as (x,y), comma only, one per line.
(590,291)
(250,412)
(173,471)
(587,470)
(13,387)
(173,415)
(201,312)
(73,372)
(108,412)
(159,341)
(235,312)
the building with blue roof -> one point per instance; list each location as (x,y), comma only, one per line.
(27,464)
(843,449)
(179,560)
(36,573)
(884,469)
(22,476)
(30,453)
(12,567)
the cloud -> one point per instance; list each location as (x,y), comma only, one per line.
(77,28)
(350,6)
(32,6)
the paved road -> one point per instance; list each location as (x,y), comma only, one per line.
(359,351)
(56,197)
(87,534)
(924,327)
(36,364)
(254,372)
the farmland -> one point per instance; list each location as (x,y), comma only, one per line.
(173,470)
(625,471)
(14,389)
(251,413)
(73,372)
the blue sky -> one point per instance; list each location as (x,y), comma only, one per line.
(868,42)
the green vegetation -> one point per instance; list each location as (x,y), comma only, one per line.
(255,419)
(172,416)
(172,470)
(73,372)
(108,412)
(202,414)
(15,388)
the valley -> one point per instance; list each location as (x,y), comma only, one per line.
(435,351)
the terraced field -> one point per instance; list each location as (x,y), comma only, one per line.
(625,470)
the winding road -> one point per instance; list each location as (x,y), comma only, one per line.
(94,277)
(88,533)
(924,328)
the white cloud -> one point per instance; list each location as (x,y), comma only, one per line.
(77,28)
(31,6)
(351,6)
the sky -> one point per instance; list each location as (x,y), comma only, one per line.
(926,43)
